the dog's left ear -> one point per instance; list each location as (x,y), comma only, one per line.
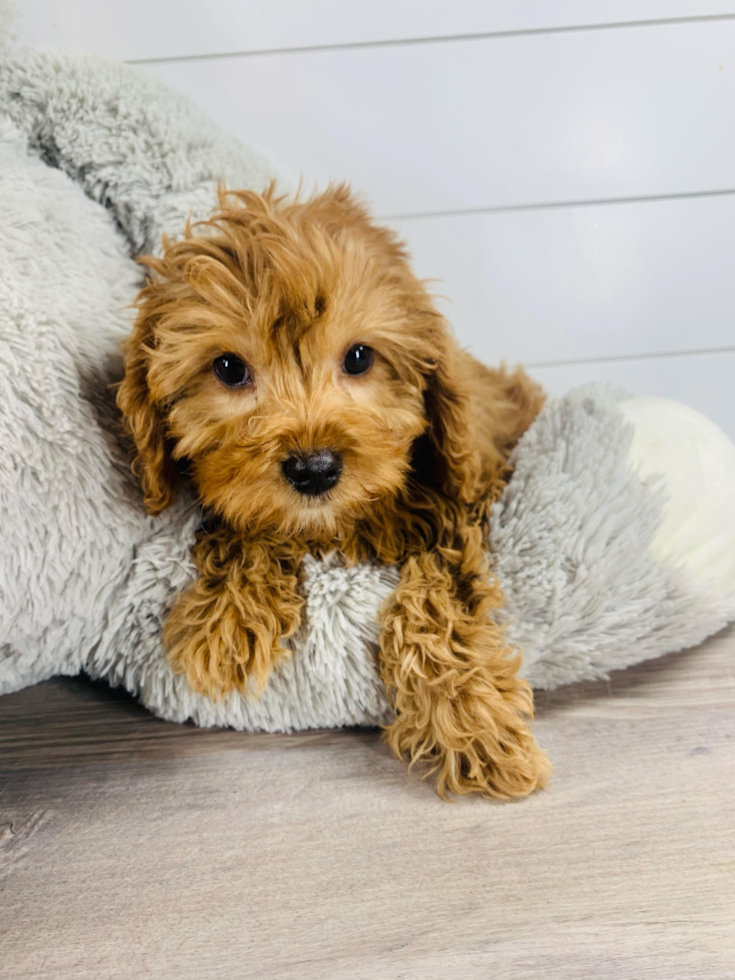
(452,463)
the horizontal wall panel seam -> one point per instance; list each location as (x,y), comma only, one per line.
(447,38)
(624,358)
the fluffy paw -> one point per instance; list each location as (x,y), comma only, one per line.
(477,742)
(225,632)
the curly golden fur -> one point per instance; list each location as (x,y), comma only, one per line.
(424,436)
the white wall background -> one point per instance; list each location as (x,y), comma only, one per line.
(564,168)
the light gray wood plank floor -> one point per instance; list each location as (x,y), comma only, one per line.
(134,848)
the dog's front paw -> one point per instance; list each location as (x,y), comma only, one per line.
(501,760)
(462,711)
(223,638)
(479,742)
(214,651)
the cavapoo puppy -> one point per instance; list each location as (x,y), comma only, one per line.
(287,363)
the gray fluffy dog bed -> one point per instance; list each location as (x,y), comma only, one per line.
(602,564)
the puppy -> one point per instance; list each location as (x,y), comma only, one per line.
(287,362)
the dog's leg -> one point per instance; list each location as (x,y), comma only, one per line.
(460,706)
(224,632)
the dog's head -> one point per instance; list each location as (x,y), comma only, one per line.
(286,359)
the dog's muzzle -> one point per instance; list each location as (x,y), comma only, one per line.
(315,473)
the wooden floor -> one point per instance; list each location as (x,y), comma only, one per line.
(134,848)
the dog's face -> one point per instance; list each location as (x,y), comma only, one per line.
(285,357)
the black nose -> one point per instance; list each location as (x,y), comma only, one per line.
(315,473)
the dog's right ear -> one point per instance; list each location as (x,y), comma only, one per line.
(145,420)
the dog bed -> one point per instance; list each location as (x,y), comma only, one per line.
(614,540)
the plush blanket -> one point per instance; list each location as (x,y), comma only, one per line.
(602,562)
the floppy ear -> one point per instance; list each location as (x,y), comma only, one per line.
(448,457)
(145,421)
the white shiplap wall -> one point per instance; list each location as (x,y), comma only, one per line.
(564,168)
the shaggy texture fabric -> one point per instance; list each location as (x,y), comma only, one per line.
(97,161)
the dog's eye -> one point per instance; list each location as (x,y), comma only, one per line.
(231,370)
(358,359)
